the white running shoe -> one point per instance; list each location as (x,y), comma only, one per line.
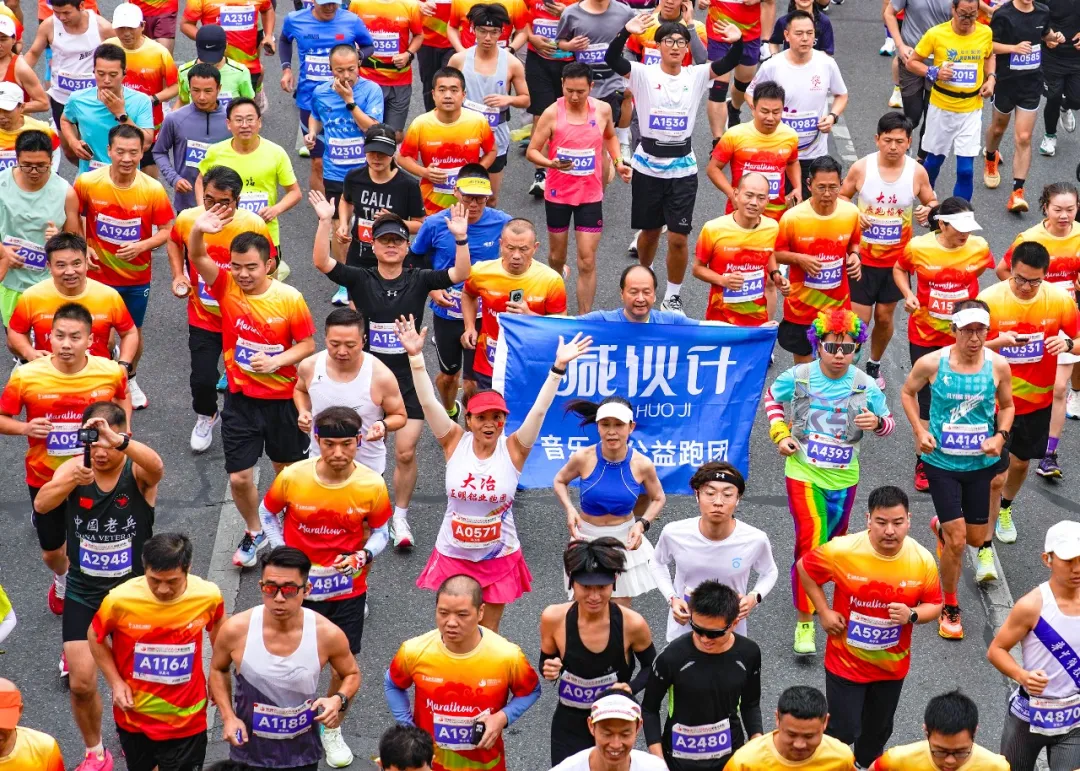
(338,754)
(202,436)
(1048,145)
(138,398)
(673,304)
(631,251)
(1068,120)
(888,48)
(896,101)
(1072,405)
(341,297)
(401,532)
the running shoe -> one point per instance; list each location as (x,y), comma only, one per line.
(338,754)
(949,624)
(95,762)
(1048,467)
(56,602)
(401,533)
(303,151)
(340,298)
(935,528)
(455,413)
(631,251)
(888,48)
(896,100)
(921,482)
(202,436)
(673,304)
(248,548)
(1005,530)
(522,134)
(536,190)
(222,383)
(1017,203)
(1048,145)
(261,100)
(804,638)
(1072,405)
(873,369)
(63,666)
(985,569)
(138,398)
(991,174)
(734,118)
(1068,120)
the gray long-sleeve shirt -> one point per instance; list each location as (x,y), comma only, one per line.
(182,143)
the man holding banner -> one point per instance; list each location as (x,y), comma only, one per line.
(637,287)
(832,404)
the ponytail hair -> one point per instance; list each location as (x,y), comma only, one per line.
(586,410)
(951,205)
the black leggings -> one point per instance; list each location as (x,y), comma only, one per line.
(862,714)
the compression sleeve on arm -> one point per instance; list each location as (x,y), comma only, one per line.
(271,526)
(377,541)
(645,659)
(750,703)
(516,707)
(285,51)
(655,690)
(698,52)
(529,429)
(614,56)
(730,60)
(398,701)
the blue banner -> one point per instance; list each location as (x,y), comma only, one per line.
(694,389)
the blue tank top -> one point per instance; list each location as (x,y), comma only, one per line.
(961,416)
(610,488)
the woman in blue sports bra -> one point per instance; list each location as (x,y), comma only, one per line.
(616,483)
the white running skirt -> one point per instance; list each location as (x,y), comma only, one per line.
(637,578)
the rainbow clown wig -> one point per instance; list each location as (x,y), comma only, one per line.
(839,321)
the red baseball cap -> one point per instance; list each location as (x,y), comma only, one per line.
(487,400)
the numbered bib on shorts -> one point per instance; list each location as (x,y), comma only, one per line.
(579,692)
(195,152)
(1029,61)
(168,664)
(105,560)
(1054,717)
(1028,350)
(73,82)
(701,742)
(491,114)
(475,532)
(674,121)
(346,151)
(885,231)
(830,277)
(652,56)
(237,18)
(63,439)
(205,297)
(870,633)
(593,54)
(828,452)
(270,722)
(317,67)
(584,161)
(328,582)
(545,28)
(447,187)
(245,349)
(963,439)
(387,43)
(383,339)
(33,255)
(116,230)
(753,288)
(453,732)
(253,202)
(941,302)
(965,74)
(805,125)
(7,159)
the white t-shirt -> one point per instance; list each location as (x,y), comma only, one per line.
(639,761)
(667,106)
(806,95)
(698,559)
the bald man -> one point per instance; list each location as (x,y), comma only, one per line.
(637,287)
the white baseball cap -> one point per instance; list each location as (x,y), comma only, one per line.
(7,26)
(1063,540)
(963,221)
(615,707)
(127,15)
(11,95)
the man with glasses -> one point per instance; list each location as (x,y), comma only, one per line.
(832,404)
(1026,315)
(712,678)
(950,722)
(278,717)
(963,446)
(869,648)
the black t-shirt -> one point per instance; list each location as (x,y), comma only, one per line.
(382,301)
(1064,18)
(401,195)
(1010,26)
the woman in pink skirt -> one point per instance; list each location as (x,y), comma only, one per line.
(478,536)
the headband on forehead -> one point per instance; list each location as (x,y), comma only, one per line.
(728,478)
(971,316)
(337,432)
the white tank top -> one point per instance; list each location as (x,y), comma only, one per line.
(875,189)
(287,681)
(73,59)
(1036,655)
(479,520)
(356,393)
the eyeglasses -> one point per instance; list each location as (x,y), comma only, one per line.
(844,348)
(288,591)
(974,332)
(711,634)
(675,42)
(34,168)
(210,203)
(960,755)
(246,121)
(1032,282)
(967,16)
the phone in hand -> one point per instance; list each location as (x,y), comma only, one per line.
(478,729)
(517,295)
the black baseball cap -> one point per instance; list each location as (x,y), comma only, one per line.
(210,43)
(380,138)
(390,228)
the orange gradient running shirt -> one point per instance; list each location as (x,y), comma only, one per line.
(830,238)
(747,150)
(724,246)
(447,146)
(36,306)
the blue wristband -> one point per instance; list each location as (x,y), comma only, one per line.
(932,73)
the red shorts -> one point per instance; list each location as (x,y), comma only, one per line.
(161,26)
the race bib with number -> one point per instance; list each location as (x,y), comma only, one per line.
(805,125)
(828,452)
(204,294)
(253,202)
(475,532)
(363,230)
(830,276)
(1029,61)
(669,120)
(963,439)
(701,742)
(105,560)
(776,183)
(7,159)
(491,114)
(387,43)
(272,722)
(1054,717)
(317,67)
(579,692)
(454,311)
(652,56)
(195,152)
(116,230)
(33,255)
(545,28)
(63,439)
(489,351)
(167,664)
(941,302)
(870,633)
(965,73)
(237,18)
(225,98)
(453,732)
(447,187)
(73,82)
(584,161)
(884,230)
(1028,350)
(245,349)
(753,288)
(346,151)
(383,339)
(593,54)
(97,165)
(328,582)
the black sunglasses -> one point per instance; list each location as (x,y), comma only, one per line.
(711,634)
(845,348)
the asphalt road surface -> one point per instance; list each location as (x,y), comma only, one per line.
(193,497)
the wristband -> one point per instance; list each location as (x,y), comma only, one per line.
(1069,343)
(991,75)
(932,72)
(834,116)
(126,365)
(645,524)
(124,444)
(556,371)
(1004,434)
(416,360)
(779,431)
(462,242)
(350,106)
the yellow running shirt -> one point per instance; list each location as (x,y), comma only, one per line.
(916,757)
(760,753)
(967,54)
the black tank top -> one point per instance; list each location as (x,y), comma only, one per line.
(105,535)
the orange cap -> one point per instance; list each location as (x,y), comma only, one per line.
(10,705)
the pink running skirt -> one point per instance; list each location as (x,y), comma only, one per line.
(504,579)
